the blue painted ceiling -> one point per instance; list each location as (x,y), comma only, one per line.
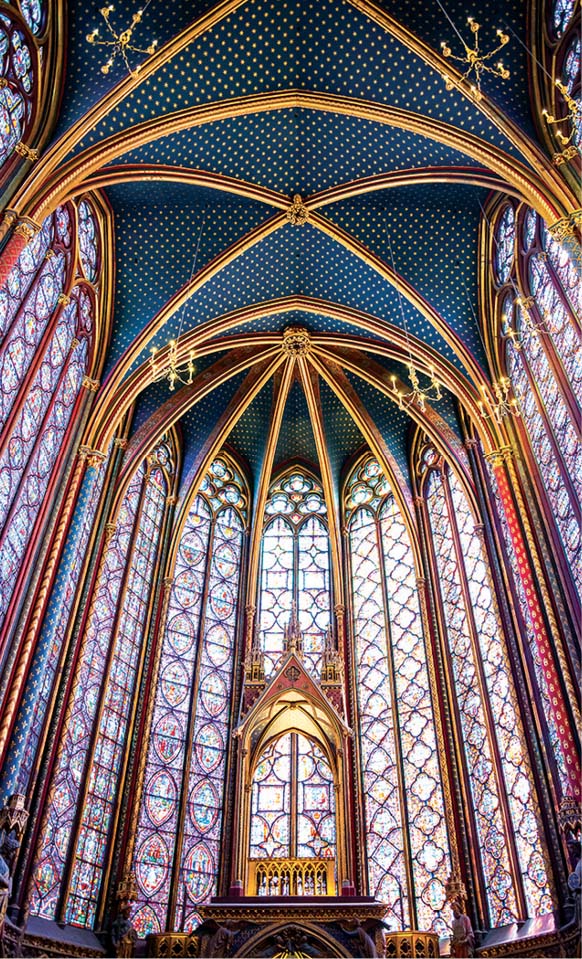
(429,232)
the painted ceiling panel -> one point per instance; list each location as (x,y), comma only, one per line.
(419,229)
(431,21)
(446,407)
(297,150)
(201,419)
(296,440)
(392,422)
(157,393)
(157,227)
(250,434)
(85,81)
(343,437)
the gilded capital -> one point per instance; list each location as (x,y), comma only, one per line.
(26,228)
(566,226)
(94,457)
(25,151)
(89,384)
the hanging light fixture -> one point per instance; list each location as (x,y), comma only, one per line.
(121,43)
(573,117)
(476,62)
(171,370)
(504,405)
(418,394)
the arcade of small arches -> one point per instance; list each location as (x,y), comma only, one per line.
(289,649)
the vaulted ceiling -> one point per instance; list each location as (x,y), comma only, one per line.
(342,102)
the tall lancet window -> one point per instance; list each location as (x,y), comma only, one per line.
(505,814)
(536,288)
(48,310)
(406,836)
(176,852)
(295,568)
(85,784)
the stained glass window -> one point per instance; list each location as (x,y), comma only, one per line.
(491,728)
(542,356)
(44,357)
(29,728)
(504,251)
(562,11)
(293,773)
(397,729)
(530,633)
(295,568)
(106,675)
(18,59)
(185,766)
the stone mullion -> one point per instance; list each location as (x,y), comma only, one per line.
(23,639)
(228,843)
(89,756)
(358,799)
(548,644)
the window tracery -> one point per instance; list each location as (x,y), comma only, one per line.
(180,818)
(500,777)
(19,73)
(292,778)
(540,336)
(102,698)
(47,324)
(295,568)
(400,762)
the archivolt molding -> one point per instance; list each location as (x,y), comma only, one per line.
(263,367)
(529,185)
(472,176)
(391,342)
(332,373)
(356,247)
(310,384)
(280,400)
(376,376)
(105,431)
(159,172)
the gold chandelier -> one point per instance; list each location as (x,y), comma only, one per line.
(503,406)
(121,43)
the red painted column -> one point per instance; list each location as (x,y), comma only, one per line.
(22,235)
(542,638)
